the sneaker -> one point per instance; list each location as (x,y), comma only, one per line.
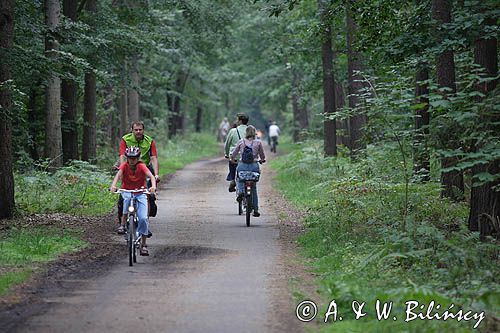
(256,213)
(239,198)
(232,186)
(121,230)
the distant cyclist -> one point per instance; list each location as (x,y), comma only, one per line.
(274,133)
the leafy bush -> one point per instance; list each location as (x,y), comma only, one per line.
(354,233)
(79,188)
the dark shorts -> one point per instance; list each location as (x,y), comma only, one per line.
(232,171)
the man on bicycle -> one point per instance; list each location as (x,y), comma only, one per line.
(234,135)
(149,155)
(132,174)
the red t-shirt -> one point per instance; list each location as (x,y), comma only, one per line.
(123,146)
(133,180)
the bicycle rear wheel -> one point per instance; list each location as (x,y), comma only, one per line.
(249,209)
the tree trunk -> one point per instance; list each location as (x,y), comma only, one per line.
(355,85)
(176,121)
(89,118)
(341,124)
(32,122)
(300,119)
(7,203)
(421,152)
(123,108)
(133,95)
(330,135)
(170,115)
(69,90)
(452,182)
(199,113)
(177,115)
(53,134)
(89,149)
(485,201)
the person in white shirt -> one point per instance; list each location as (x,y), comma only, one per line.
(274,132)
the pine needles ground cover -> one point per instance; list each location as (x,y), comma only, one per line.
(370,240)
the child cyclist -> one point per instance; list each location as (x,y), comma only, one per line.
(133,175)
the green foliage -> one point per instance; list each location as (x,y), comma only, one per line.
(79,188)
(359,251)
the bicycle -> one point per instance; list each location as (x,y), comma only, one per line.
(131,236)
(246,204)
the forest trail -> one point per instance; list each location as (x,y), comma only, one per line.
(207,271)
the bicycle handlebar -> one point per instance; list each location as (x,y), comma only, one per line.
(144,190)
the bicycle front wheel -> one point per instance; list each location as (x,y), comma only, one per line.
(130,240)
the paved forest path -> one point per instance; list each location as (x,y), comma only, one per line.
(207,271)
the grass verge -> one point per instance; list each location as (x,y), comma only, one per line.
(368,242)
(23,249)
(181,151)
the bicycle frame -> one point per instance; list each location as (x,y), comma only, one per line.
(250,178)
(132,237)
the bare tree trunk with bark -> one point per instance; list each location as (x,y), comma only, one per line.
(89,145)
(300,118)
(330,135)
(356,84)
(452,182)
(199,114)
(7,203)
(53,134)
(133,95)
(123,108)
(69,90)
(485,200)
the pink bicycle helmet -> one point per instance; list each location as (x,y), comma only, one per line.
(133,152)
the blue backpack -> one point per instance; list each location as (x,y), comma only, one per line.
(247,155)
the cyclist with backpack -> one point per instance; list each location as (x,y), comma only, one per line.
(233,137)
(251,149)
